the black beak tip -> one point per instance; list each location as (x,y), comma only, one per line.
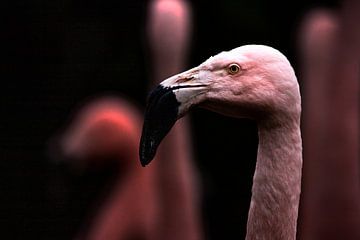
(161,114)
(144,160)
(147,151)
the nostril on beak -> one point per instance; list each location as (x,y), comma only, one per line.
(185,79)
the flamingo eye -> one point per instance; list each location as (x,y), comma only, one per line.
(233,68)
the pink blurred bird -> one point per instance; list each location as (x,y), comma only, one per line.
(109,128)
(162,203)
(169,28)
(329,50)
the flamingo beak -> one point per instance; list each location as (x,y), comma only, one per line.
(168,102)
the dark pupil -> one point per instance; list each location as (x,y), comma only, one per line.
(233,68)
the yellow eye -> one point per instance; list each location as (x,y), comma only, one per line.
(233,68)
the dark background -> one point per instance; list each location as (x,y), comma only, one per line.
(55,55)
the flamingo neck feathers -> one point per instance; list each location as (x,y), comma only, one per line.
(277,181)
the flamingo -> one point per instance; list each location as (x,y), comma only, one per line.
(317,40)
(251,81)
(108,129)
(329,47)
(169,28)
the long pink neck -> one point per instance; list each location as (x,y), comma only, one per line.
(277,182)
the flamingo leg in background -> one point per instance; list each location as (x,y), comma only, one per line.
(109,129)
(330,207)
(169,29)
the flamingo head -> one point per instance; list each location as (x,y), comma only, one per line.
(251,81)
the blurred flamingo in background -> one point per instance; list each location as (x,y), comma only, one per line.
(329,49)
(169,28)
(317,41)
(109,129)
(162,203)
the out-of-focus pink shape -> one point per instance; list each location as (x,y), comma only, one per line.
(169,28)
(110,129)
(106,126)
(330,203)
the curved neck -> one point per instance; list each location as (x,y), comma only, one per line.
(277,182)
